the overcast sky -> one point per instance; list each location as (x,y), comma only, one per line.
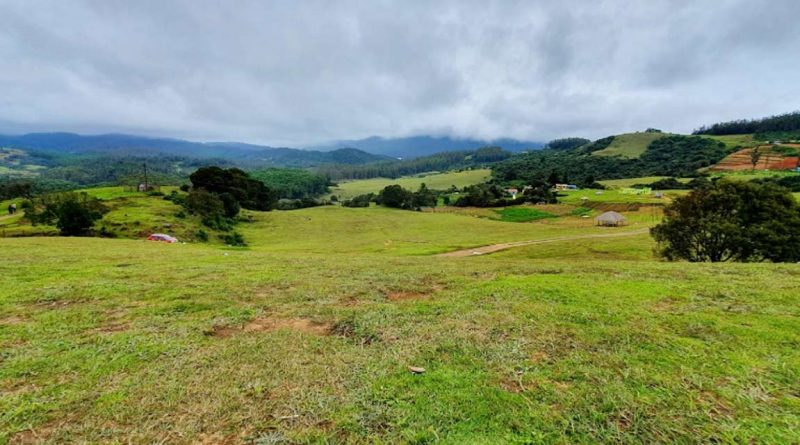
(302,72)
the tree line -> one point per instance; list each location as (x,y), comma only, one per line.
(774,125)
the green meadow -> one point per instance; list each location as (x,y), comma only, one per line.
(434,181)
(307,334)
(629,145)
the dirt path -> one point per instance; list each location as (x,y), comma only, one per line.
(503,246)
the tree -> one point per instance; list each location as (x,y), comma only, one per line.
(396,196)
(424,197)
(248,192)
(755,156)
(73,214)
(731,221)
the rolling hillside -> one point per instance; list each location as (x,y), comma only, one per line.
(127,145)
(629,145)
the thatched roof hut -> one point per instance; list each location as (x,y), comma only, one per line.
(611,219)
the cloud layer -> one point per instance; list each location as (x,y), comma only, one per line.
(295,73)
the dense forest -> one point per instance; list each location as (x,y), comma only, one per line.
(437,162)
(566,143)
(767,128)
(293,183)
(668,156)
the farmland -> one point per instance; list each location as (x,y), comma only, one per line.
(306,335)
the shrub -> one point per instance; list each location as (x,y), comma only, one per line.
(234,239)
(359,201)
(201,235)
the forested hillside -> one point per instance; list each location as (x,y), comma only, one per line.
(437,162)
(782,126)
(668,156)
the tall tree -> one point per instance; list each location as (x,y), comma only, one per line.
(731,221)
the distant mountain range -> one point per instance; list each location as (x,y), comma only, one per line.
(342,152)
(122,144)
(416,146)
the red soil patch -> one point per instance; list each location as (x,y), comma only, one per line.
(769,160)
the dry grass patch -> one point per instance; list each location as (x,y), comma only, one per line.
(405,296)
(270,324)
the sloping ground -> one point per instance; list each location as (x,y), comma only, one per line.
(630,145)
(770,160)
(434,180)
(579,342)
(483,250)
(734,140)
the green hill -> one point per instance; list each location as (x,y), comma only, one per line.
(629,145)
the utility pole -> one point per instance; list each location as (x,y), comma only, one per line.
(146,186)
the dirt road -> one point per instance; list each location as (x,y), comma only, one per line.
(503,246)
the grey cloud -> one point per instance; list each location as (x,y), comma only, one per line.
(303,72)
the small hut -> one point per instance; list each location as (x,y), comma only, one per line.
(610,219)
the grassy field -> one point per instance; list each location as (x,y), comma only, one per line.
(435,181)
(306,336)
(615,196)
(630,145)
(630,182)
(749,175)
(735,140)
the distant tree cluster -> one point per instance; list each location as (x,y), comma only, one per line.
(566,143)
(782,123)
(674,184)
(437,162)
(792,183)
(731,221)
(493,195)
(293,183)
(397,197)
(218,194)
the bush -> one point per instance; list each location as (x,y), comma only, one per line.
(201,235)
(294,204)
(234,239)
(359,201)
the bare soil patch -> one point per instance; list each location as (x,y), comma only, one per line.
(269,324)
(111,328)
(483,250)
(405,296)
(511,385)
(13,320)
